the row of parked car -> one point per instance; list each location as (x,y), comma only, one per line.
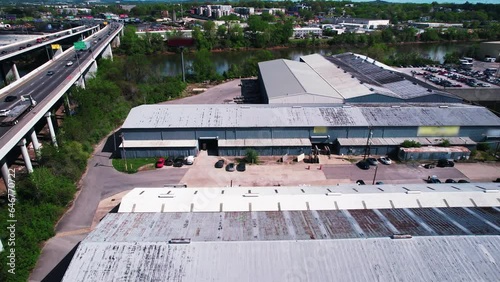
(365,164)
(175,162)
(231,166)
(472,78)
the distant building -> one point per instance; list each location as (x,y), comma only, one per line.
(301,32)
(435,25)
(358,22)
(245,11)
(272,11)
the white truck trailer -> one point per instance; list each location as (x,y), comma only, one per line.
(11,116)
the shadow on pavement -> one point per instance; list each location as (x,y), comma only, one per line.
(112,143)
(57,273)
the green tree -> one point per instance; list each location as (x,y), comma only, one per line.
(203,68)
(251,156)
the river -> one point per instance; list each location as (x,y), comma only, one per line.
(170,64)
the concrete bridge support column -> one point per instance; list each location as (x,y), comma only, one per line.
(81,82)
(51,129)
(14,72)
(91,71)
(36,145)
(58,52)
(116,42)
(6,175)
(26,156)
(107,53)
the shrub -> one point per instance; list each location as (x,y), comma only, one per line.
(251,156)
(410,144)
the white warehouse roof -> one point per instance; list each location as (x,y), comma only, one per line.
(241,116)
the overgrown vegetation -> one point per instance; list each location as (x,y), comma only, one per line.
(44,195)
(411,144)
(445,143)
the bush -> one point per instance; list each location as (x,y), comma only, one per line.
(410,144)
(483,147)
(445,143)
(251,156)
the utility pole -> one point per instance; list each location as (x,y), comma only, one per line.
(124,153)
(368,143)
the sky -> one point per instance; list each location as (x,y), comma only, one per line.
(438,1)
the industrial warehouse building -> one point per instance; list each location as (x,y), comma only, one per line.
(227,130)
(347,103)
(418,232)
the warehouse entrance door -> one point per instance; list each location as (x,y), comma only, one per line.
(209,144)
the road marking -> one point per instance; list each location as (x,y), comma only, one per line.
(32,84)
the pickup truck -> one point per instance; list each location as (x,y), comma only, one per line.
(11,116)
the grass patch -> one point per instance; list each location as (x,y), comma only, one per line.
(132,165)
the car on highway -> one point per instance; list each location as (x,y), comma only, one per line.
(241,166)
(49,73)
(372,161)
(4,113)
(178,162)
(445,163)
(160,163)
(10,98)
(219,164)
(69,64)
(363,165)
(21,48)
(385,160)
(230,167)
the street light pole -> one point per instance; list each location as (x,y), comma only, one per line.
(124,153)
(368,142)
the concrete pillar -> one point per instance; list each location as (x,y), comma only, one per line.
(36,145)
(107,53)
(14,72)
(81,82)
(58,52)
(51,129)
(26,156)
(91,71)
(116,42)
(6,175)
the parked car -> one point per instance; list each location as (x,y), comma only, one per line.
(10,98)
(189,160)
(433,180)
(360,182)
(429,166)
(160,162)
(463,181)
(230,167)
(445,163)
(169,161)
(241,166)
(497,180)
(179,162)
(379,182)
(449,180)
(219,164)
(372,161)
(385,160)
(363,165)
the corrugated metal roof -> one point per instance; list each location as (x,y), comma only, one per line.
(238,116)
(450,258)
(351,196)
(285,77)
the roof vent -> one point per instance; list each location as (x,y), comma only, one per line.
(352,76)
(179,241)
(345,71)
(334,194)
(166,196)
(395,106)
(413,192)
(429,90)
(414,83)
(361,82)
(251,195)
(401,236)
(491,191)
(296,107)
(247,107)
(346,106)
(443,107)
(371,89)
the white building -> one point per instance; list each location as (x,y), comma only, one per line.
(306,31)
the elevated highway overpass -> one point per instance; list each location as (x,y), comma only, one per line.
(47,84)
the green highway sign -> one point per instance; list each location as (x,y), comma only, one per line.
(79,45)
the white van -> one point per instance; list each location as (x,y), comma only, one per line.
(189,160)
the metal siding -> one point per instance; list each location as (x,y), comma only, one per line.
(257,133)
(399,132)
(435,99)
(231,133)
(357,132)
(290,133)
(337,132)
(475,133)
(221,133)
(157,152)
(178,134)
(144,134)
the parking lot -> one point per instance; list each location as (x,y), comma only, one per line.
(337,170)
